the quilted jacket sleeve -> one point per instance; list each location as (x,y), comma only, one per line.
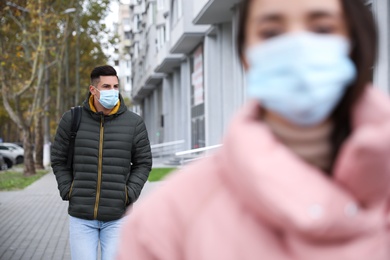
(59,156)
(141,161)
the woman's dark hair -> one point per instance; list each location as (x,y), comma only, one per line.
(105,70)
(363,35)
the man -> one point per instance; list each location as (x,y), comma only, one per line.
(111,164)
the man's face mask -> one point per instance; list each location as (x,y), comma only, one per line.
(300,76)
(108,98)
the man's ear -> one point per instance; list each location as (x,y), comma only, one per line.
(91,89)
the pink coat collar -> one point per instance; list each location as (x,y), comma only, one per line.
(293,196)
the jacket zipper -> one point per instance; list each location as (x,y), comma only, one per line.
(127,199)
(100,162)
(70,190)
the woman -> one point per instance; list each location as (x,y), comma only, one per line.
(304,171)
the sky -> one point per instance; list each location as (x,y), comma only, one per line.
(113,14)
(110,20)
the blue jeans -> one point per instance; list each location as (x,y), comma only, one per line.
(84,236)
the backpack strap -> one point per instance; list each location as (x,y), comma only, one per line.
(76,118)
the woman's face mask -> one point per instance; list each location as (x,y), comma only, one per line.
(297,57)
(300,76)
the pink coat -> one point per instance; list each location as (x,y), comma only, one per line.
(254,199)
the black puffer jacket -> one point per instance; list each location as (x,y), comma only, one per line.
(111,164)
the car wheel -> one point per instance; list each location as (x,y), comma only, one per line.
(19,159)
(8,162)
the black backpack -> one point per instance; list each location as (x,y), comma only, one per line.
(76,118)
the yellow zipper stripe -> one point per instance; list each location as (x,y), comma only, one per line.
(70,190)
(127,199)
(100,161)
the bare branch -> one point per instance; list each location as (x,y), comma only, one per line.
(13,115)
(51,64)
(23,29)
(32,78)
(41,53)
(19,24)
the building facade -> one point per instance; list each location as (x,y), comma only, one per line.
(187,80)
(122,58)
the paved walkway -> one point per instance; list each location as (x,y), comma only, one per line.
(34,222)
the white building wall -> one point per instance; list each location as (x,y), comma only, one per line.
(213,90)
(381,10)
(198,5)
(228,86)
(168,109)
(224,81)
(184,122)
(154,131)
(176,104)
(159,113)
(147,110)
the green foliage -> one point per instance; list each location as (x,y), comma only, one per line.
(40,28)
(158,174)
(20,35)
(34,35)
(13,179)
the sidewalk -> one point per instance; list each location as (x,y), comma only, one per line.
(34,222)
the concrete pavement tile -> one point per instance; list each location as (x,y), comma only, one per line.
(34,222)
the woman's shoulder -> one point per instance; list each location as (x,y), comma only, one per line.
(372,108)
(167,213)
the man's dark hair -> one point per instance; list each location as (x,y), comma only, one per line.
(105,70)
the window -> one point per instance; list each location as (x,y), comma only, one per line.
(126,21)
(151,13)
(137,22)
(143,6)
(161,37)
(176,10)
(160,5)
(136,50)
(167,31)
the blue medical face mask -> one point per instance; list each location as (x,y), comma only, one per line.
(108,98)
(300,76)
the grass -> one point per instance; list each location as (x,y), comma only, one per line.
(13,178)
(158,174)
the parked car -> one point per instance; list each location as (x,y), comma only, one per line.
(9,161)
(20,144)
(9,155)
(16,149)
(3,165)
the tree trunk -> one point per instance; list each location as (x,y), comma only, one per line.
(38,143)
(60,96)
(29,167)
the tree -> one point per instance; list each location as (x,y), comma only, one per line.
(33,37)
(19,72)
